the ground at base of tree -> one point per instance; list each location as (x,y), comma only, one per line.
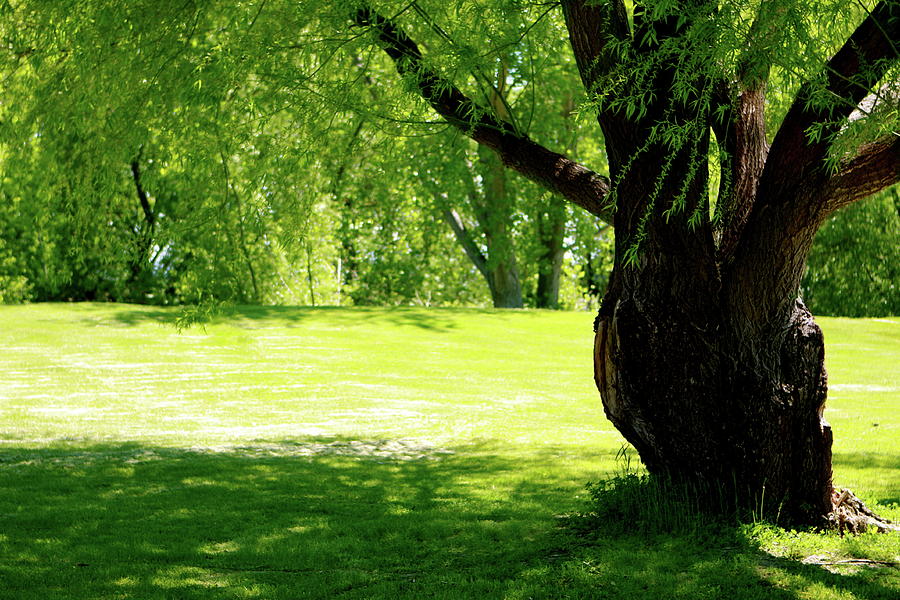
(374,453)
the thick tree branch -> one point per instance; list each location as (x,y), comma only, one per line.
(571,180)
(874,168)
(849,77)
(795,192)
(591,28)
(745,138)
(746,143)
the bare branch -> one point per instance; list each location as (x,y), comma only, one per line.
(850,76)
(464,237)
(571,180)
(874,168)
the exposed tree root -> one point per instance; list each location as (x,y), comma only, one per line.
(850,514)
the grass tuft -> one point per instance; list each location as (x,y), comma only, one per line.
(641,503)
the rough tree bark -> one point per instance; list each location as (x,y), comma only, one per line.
(705,358)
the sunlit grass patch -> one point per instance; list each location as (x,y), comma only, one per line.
(374,453)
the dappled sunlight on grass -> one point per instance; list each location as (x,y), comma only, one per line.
(298,372)
(371,453)
(215,513)
(206,524)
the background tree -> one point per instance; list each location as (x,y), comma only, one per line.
(854,265)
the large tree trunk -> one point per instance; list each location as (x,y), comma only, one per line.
(708,364)
(705,405)
(707,389)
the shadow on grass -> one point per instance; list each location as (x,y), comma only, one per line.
(332,518)
(257,317)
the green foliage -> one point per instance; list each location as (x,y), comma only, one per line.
(225,108)
(272,133)
(854,267)
(592,251)
(14,288)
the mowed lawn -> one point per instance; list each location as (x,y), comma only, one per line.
(376,453)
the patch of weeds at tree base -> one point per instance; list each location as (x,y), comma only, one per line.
(654,540)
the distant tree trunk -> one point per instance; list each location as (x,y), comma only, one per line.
(489,245)
(495,214)
(347,231)
(245,252)
(241,243)
(494,210)
(551,225)
(551,231)
(503,283)
(506,290)
(137,280)
(310,280)
(348,253)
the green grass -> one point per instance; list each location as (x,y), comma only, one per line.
(375,453)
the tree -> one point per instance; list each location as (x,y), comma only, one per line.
(731,130)
(706,359)
(505,226)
